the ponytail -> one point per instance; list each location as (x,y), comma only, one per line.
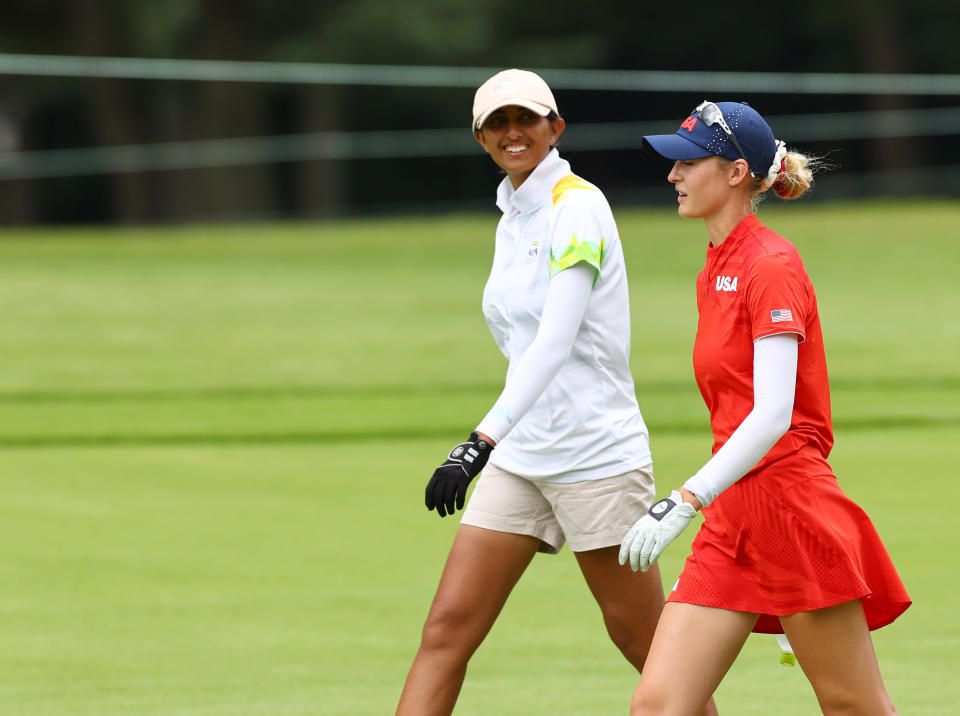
(795,176)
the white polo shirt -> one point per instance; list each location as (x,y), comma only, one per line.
(586,424)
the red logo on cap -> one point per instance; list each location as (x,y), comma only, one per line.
(689,123)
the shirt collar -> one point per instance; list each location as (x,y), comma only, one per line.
(749,224)
(530,195)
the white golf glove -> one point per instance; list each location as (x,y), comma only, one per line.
(651,534)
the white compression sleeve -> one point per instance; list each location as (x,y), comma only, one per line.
(563,309)
(774,385)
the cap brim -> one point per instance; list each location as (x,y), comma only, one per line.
(540,109)
(675,147)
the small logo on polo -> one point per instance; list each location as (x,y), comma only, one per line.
(689,123)
(727,283)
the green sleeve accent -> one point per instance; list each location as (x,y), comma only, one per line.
(578,251)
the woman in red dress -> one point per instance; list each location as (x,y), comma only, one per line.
(782,549)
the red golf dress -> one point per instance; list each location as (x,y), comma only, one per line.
(784,538)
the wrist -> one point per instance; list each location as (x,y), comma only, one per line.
(690,498)
(487,438)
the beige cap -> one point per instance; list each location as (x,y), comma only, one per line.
(512,87)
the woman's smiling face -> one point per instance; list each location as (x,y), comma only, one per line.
(518,139)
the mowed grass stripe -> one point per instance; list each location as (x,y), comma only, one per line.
(265,416)
(399,434)
(926,383)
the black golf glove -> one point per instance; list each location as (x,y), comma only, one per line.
(448,486)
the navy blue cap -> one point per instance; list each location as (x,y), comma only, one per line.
(695,139)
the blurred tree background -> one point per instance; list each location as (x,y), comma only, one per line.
(51,113)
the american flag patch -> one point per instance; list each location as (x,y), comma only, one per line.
(783,314)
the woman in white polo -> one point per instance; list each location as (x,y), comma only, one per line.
(564,450)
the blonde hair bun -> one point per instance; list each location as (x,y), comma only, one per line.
(796,177)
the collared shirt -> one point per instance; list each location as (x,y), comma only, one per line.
(586,424)
(755,285)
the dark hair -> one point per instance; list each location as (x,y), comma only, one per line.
(552,117)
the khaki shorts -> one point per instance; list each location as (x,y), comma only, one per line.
(589,514)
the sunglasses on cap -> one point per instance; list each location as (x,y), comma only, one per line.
(710,114)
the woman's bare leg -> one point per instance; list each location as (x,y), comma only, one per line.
(631,603)
(834,648)
(692,650)
(481,571)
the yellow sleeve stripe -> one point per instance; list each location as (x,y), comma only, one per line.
(571,181)
(577,251)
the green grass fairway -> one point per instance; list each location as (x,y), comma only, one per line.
(214,442)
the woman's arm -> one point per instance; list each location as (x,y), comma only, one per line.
(565,305)
(774,385)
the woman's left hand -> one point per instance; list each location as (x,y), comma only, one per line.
(448,486)
(651,534)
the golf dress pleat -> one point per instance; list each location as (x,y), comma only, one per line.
(777,542)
